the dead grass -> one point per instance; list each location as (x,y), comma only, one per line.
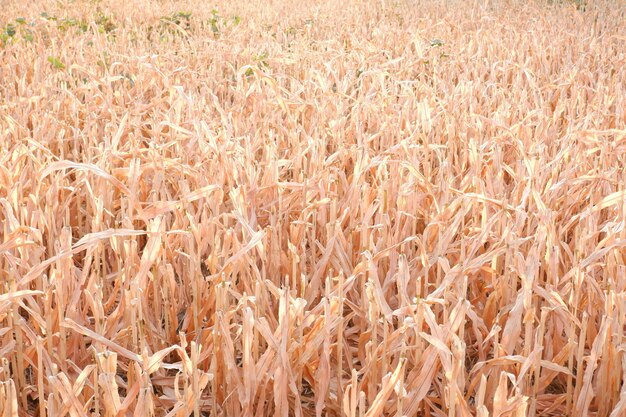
(342,208)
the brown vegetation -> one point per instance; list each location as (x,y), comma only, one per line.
(291,208)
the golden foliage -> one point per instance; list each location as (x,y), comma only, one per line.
(342,208)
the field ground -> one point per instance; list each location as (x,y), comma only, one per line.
(312,208)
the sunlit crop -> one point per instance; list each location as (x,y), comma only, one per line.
(313,208)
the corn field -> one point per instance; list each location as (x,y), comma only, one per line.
(327,208)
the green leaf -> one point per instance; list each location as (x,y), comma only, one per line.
(47,16)
(105,23)
(10,30)
(56,63)
(21,20)
(183,15)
